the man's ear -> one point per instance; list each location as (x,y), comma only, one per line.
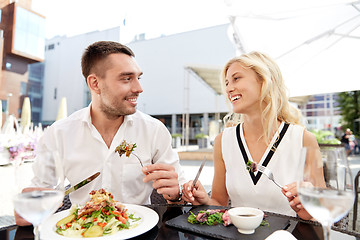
(93,83)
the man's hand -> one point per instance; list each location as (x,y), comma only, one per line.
(18,219)
(164,178)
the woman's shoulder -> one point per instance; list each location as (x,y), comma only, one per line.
(309,139)
(230,129)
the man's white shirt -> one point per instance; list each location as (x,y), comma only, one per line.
(84,152)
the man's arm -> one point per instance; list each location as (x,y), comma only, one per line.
(165,172)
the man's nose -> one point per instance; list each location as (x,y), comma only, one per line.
(137,86)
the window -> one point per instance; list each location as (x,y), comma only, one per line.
(8,66)
(51,46)
(23,88)
(4,105)
(37,102)
(29,33)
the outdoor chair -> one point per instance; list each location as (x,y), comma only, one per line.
(157,198)
(66,204)
(355,208)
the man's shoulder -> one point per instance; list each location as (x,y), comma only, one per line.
(72,120)
(146,118)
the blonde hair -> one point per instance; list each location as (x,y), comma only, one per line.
(273,96)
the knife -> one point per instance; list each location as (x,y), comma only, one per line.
(198,173)
(82,183)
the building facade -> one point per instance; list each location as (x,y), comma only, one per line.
(322,112)
(171,89)
(34,90)
(22,42)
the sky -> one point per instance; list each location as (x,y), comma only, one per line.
(152,17)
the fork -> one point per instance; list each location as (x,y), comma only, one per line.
(138,159)
(268,173)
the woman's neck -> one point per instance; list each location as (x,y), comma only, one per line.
(254,129)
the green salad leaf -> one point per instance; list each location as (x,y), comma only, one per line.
(192,218)
(212,219)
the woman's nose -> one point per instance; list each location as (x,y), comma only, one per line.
(229,88)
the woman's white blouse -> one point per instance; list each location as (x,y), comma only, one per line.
(264,195)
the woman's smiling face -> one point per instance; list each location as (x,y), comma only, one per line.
(243,88)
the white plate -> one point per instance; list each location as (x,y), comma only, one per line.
(149,218)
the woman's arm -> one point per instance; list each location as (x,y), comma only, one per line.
(219,195)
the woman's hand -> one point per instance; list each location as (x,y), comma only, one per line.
(290,191)
(198,196)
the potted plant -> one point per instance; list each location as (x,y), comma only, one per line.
(326,138)
(176,140)
(202,140)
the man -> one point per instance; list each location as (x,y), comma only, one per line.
(86,140)
(345,139)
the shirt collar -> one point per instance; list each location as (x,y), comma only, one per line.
(87,117)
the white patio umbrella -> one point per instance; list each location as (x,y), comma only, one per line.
(316,43)
(25,120)
(62,112)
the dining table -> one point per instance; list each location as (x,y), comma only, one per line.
(173,224)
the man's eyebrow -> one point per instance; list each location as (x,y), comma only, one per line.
(129,73)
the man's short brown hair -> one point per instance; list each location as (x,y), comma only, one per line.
(97,52)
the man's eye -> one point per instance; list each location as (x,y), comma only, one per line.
(126,78)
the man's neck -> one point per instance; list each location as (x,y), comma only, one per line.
(106,127)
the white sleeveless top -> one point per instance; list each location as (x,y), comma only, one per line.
(264,195)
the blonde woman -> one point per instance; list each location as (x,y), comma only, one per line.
(269,133)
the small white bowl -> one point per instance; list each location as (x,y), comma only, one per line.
(246,219)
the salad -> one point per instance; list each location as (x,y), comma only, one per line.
(214,217)
(126,148)
(251,166)
(100,216)
(210,217)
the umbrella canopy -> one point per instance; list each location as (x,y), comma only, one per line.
(10,126)
(62,112)
(315,43)
(25,120)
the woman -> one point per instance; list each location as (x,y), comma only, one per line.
(269,134)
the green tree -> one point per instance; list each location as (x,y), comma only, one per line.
(350,110)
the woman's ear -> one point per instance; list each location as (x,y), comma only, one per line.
(93,83)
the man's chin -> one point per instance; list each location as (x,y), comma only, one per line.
(130,111)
